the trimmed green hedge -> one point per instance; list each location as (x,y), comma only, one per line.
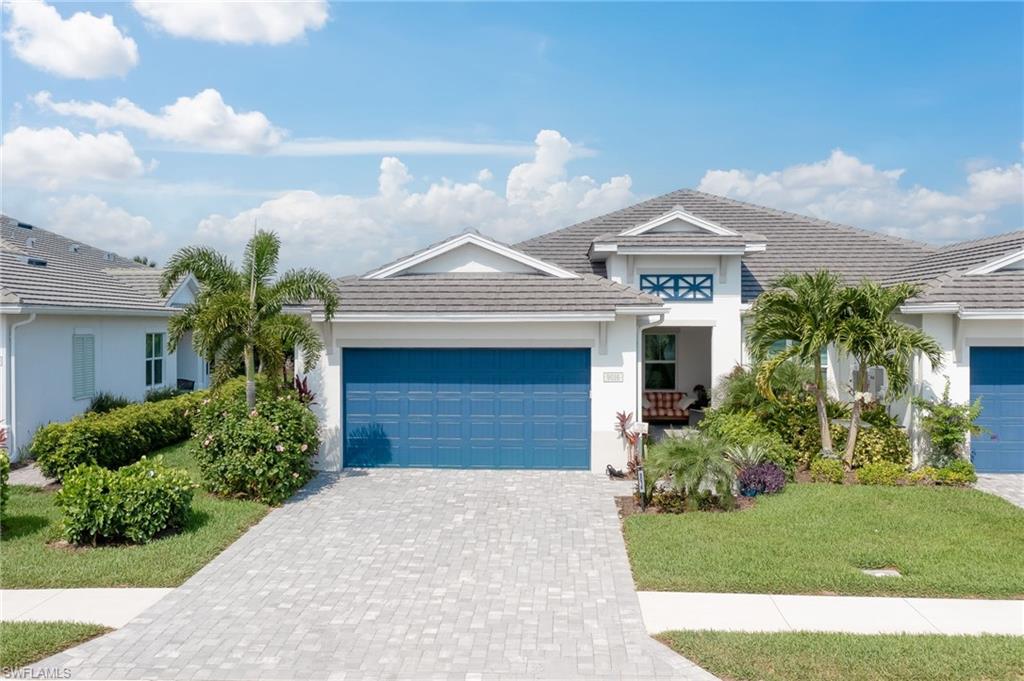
(5,473)
(134,503)
(115,438)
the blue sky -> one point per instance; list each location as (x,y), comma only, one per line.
(810,107)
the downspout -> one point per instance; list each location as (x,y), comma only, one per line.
(13,450)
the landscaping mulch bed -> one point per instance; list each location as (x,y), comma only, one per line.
(630,506)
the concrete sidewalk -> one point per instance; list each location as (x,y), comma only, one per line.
(109,607)
(666,610)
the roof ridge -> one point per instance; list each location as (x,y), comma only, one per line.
(982,239)
(820,221)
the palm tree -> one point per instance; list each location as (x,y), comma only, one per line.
(870,335)
(803,312)
(238,315)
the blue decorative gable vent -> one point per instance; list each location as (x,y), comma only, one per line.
(678,286)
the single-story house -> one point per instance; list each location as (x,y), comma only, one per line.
(474,353)
(76,321)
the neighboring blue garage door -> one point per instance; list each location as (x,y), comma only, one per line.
(467,408)
(997,377)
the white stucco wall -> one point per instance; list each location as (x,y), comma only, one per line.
(721,315)
(616,355)
(43,360)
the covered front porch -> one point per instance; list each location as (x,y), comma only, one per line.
(677,375)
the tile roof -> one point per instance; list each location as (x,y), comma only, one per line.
(795,243)
(74,274)
(486,293)
(944,277)
(679,239)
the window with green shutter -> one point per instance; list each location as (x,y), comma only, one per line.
(83,366)
(154,359)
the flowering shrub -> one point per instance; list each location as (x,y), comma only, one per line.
(880,473)
(115,438)
(135,503)
(827,470)
(762,478)
(264,453)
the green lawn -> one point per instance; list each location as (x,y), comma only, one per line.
(814,538)
(850,657)
(29,561)
(23,643)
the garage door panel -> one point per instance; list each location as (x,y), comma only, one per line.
(493,408)
(997,378)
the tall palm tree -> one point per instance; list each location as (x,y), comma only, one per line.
(803,311)
(238,314)
(869,333)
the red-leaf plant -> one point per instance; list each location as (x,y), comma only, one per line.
(623,426)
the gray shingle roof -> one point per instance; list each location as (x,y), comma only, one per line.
(945,279)
(486,293)
(795,243)
(75,274)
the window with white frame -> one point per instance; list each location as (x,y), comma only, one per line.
(83,366)
(660,361)
(154,359)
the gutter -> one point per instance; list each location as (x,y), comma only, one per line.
(71,310)
(14,396)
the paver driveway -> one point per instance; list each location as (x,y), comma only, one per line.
(406,574)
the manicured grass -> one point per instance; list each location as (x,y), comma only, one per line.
(29,560)
(814,538)
(850,657)
(23,643)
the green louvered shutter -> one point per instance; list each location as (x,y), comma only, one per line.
(83,366)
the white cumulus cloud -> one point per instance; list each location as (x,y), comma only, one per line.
(94,222)
(204,121)
(81,46)
(236,21)
(846,189)
(344,233)
(48,158)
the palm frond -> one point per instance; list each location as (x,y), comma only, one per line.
(212,270)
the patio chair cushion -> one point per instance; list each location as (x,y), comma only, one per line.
(665,405)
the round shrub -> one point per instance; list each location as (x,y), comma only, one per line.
(762,478)
(134,503)
(880,473)
(263,454)
(925,475)
(827,470)
(884,444)
(957,472)
(744,428)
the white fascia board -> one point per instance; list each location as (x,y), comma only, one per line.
(100,311)
(682,250)
(476,240)
(642,310)
(679,214)
(992,314)
(998,263)
(473,317)
(930,308)
(190,281)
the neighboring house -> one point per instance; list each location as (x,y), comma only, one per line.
(473,353)
(76,321)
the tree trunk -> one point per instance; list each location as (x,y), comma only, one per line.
(250,378)
(859,385)
(820,402)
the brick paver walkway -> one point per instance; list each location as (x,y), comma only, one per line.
(408,574)
(1009,486)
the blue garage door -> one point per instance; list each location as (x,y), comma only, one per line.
(997,377)
(467,408)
